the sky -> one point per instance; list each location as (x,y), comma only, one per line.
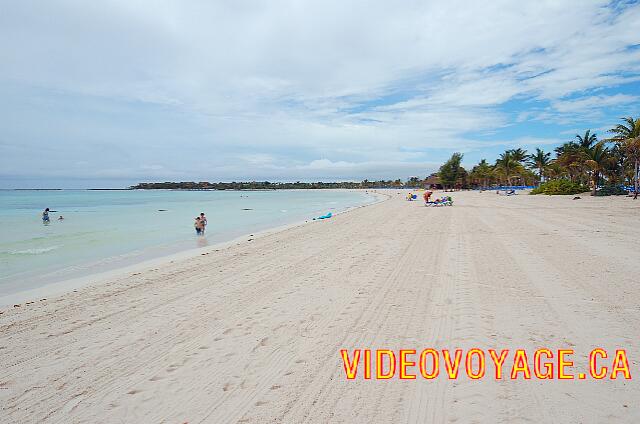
(111,93)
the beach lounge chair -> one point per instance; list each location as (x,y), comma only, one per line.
(445,201)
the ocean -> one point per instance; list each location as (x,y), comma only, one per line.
(105,230)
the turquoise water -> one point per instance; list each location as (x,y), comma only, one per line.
(104,230)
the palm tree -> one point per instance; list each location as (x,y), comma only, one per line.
(631,147)
(627,136)
(587,140)
(570,145)
(482,172)
(555,170)
(625,131)
(539,160)
(614,170)
(571,157)
(519,155)
(508,164)
(413,182)
(598,157)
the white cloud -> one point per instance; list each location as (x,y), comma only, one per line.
(591,103)
(277,85)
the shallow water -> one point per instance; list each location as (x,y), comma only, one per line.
(104,230)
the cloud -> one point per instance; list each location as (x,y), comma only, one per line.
(325,164)
(592,103)
(213,89)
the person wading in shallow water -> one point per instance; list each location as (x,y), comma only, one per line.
(45,216)
(203,221)
(198,226)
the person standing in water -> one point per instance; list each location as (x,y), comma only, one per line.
(45,216)
(203,221)
(198,225)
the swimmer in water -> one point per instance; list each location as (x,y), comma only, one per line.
(198,226)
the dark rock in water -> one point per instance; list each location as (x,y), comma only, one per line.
(577,198)
(246,209)
(162,210)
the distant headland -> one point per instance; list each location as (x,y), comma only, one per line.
(267,185)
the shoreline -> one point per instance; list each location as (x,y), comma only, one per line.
(59,288)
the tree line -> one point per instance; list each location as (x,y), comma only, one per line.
(584,161)
(267,185)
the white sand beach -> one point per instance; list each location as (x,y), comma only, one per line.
(252,332)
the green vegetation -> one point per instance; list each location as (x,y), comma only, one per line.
(560,187)
(452,174)
(627,138)
(539,160)
(582,164)
(611,190)
(412,182)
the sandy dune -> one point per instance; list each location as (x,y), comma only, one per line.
(252,333)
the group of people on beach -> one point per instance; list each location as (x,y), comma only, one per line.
(441,201)
(200,224)
(45,216)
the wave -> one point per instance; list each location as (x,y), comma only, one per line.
(33,251)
